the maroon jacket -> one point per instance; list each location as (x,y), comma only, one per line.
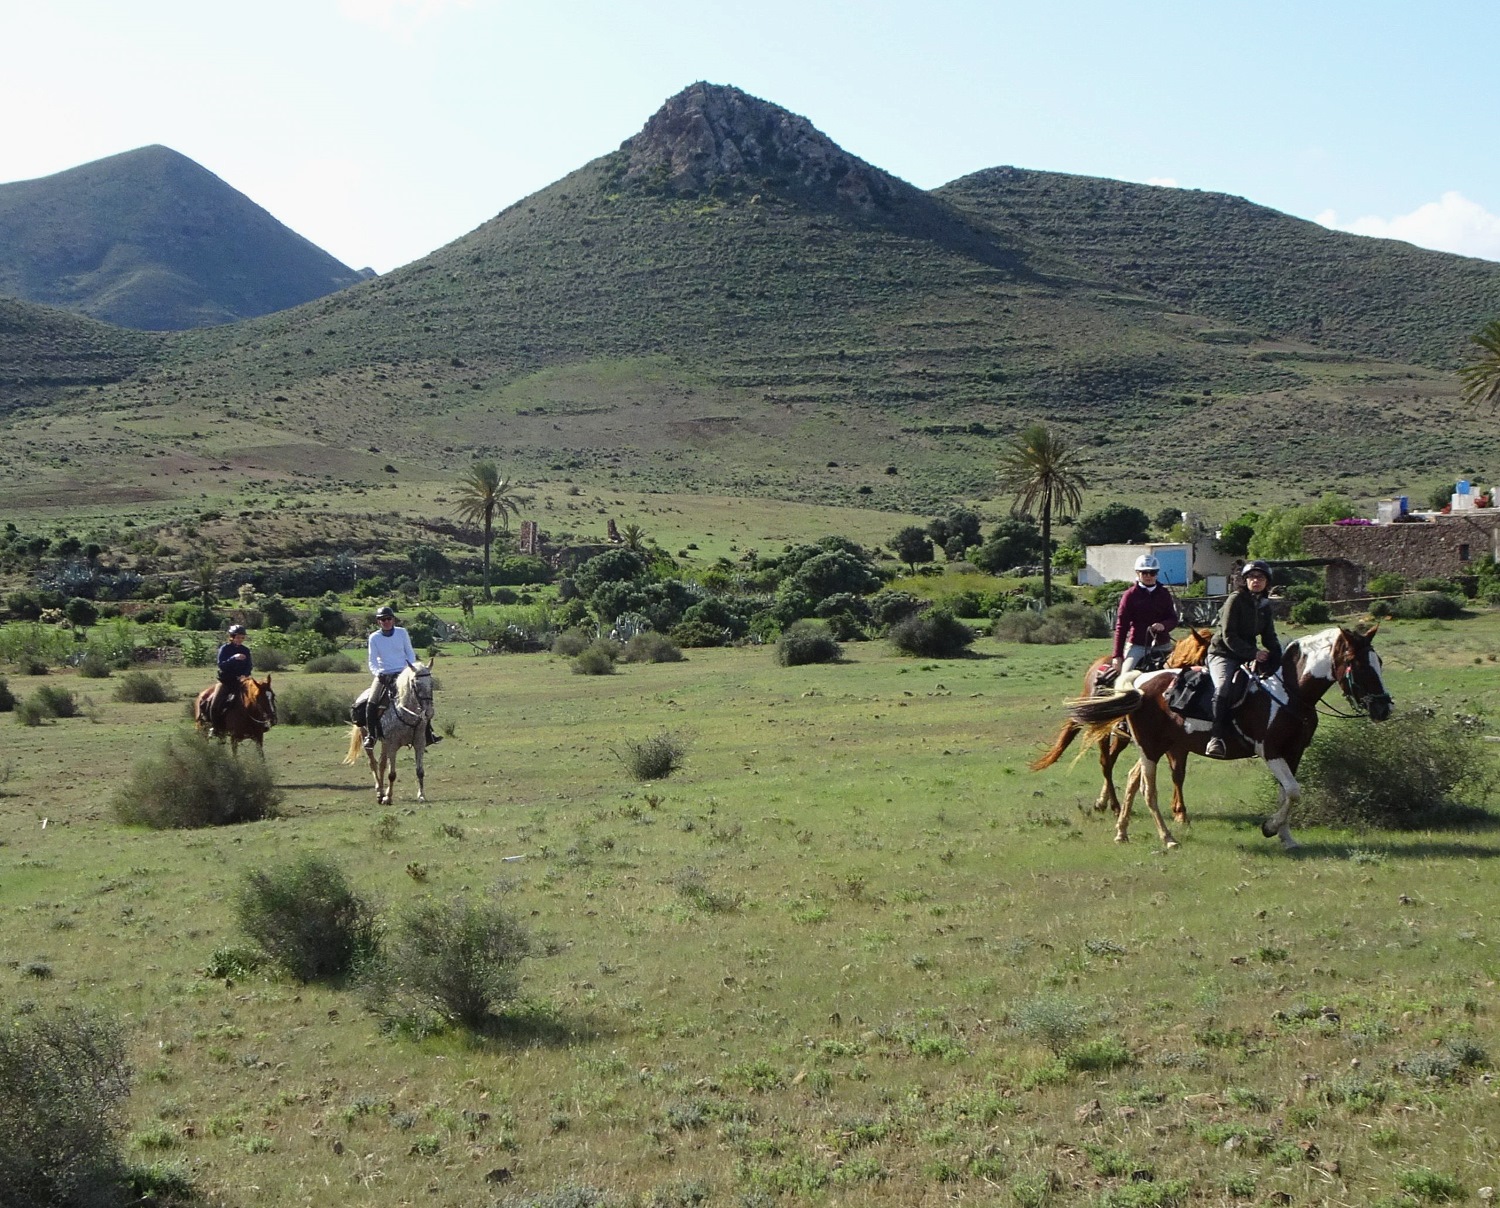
(1139,610)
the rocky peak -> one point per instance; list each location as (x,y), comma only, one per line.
(711,137)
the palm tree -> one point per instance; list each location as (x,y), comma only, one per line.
(1481,377)
(1042,470)
(483,495)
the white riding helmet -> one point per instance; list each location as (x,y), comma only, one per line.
(1147,562)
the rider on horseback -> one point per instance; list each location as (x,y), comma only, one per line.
(1147,615)
(390,653)
(234,664)
(1245,617)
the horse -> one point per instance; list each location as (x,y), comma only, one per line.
(1276,720)
(1190,651)
(248,716)
(403,722)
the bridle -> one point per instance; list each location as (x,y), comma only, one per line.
(1360,702)
(415,717)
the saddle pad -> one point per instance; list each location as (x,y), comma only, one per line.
(1192,695)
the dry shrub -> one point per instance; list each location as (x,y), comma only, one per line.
(305,917)
(192,782)
(300,705)
(651,647)
(144,688)
(653,758)
(806,642)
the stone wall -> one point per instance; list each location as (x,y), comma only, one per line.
(1444,548)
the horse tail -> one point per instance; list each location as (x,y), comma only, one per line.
(356,744)
(1064,740)
(1089,711)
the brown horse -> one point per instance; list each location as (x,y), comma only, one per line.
(403,723)
(1276,721)
(248,716)
(1190,651)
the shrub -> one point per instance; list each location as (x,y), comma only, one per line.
(1427,605)
(806,642)
(29,713)
(302,705)
(54,701)
(93,665)
(653,758)
(457,959)
(598,659)
(192,614)
(570,643)
(697,633)
(143,688)
(305,917)
(1079,620)
(1055,1020)
(651,647)
(269,658)
(7,697)
(190,783)
(62,1079)
(1418,769)
(325,664)
(935,634)
(278,614)
(1386,584)
(34,647)
(1311,612)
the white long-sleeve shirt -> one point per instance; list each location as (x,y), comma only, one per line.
(390,652)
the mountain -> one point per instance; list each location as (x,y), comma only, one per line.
(151,240)
(44,350)
(1213,254)
(729,302)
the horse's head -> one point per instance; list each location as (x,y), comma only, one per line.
(260,701)
(1356,670)
(414,690)
(1191,650)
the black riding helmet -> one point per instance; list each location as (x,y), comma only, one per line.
(1257,565)
(385,611)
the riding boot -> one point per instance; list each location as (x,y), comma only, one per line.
(216,710)
(432,739)
(1216,748)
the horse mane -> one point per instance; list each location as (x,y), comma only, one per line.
(251,688)
(406,686)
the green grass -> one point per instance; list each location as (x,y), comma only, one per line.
(813,959)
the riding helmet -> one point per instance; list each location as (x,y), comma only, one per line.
(1251,567)
(234,629)
(1147,562)
(384,611)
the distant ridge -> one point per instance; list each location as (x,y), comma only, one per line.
(151,240)
(1223,256)
(43,349)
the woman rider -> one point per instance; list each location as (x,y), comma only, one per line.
(1147,614)
(1244,619)
(234,663)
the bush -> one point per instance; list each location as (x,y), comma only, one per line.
(806,642)
(335,664)
(143,688)
(697,633)
(93,665)
(1418,769)
(1079,620)
(653,758)
(62,1079)
(305,917)
(269,658)
(598,659)
(191,783)
(7,697)
(1311,612)
(888,607)
(1387,583)
(191,614)
(934,634)
(651,647)
(34,647)
(456,959)
(302,705)
(1427,606)
(570,643)
(54,701)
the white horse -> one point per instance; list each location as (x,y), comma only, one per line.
(403,722)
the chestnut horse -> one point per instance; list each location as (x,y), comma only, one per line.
(1275,721)
(248,716)
(403,723)
(1190,651)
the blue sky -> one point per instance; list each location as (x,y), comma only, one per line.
(382,129)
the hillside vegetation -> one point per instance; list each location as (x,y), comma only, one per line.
(149,239)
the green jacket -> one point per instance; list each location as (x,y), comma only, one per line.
(1245,618)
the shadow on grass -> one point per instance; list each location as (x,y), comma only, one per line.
(522,1025)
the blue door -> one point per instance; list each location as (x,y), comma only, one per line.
(1174,566)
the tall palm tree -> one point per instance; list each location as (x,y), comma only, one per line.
(483,495)
(1042,471)
(1481,376)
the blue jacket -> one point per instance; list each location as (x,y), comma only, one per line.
(234,661)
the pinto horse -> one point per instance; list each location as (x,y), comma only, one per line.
(1190,651)
(403,723)
(248,716)
(1275,722)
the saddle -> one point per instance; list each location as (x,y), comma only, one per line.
(1192,696)
(1153,660)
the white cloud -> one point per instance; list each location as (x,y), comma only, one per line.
(1169,182)
(1451,224)
(399,17)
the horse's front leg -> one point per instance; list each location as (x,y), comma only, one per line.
(419,748)
(377,774)
(1148,776)
(1132,787)
(1291,793)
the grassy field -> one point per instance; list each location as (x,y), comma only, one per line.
(853,952)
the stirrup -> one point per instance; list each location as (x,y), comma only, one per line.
(1218,742)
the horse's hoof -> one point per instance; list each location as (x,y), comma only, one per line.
(1268,830)
(1122,838)
(1171,843)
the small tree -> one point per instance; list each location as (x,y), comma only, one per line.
(912,545)
(1113,524)
(484,495)
(1015,541)
(1481,376)
(1167,519)
(1042,470)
